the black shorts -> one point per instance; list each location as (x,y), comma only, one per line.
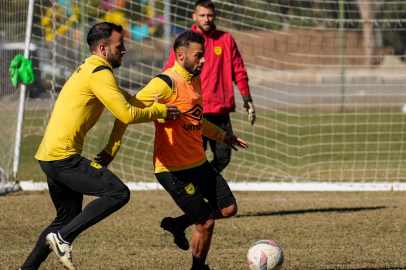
(189,189)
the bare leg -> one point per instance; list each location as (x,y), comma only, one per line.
(201,238)
(225,212)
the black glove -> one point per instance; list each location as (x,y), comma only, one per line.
(249,107)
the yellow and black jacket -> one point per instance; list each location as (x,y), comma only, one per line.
(90,89)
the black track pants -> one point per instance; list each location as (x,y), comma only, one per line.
(68,180)
(221,151)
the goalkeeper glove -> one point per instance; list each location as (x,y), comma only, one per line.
(249,107)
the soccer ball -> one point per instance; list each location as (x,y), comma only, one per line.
(265,255)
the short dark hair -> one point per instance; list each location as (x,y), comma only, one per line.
(184,39)
(100,33)
(205,4)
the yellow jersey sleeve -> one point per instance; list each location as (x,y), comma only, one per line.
(126,95)
(105,87)
(143,99)
(212,131)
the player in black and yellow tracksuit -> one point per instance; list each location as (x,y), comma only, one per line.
(90,89)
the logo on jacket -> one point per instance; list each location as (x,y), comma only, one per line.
(195,113)
(217,50)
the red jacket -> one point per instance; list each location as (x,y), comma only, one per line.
(223,66)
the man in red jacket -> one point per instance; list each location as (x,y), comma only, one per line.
(224,66)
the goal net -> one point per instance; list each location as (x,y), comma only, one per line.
(13,25)
(327,79)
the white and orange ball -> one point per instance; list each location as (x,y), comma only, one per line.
(265,255)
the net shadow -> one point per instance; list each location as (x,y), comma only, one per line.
(305,211)
(368,268)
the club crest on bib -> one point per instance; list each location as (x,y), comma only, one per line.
(217,50)
(190,189)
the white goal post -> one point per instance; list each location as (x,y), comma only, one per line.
(327,79)
(16,25)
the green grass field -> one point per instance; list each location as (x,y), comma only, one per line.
(317,230)
(326,230)
(338,147)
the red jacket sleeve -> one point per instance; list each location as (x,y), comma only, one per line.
(239,71)
(171,60)
(243,87)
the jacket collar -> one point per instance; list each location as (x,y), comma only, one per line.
(103,62)
(182,72)
(194,28)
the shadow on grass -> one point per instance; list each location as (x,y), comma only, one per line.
(304,211)
(379,268)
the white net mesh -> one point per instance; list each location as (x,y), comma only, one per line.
(13,18)
(327,80)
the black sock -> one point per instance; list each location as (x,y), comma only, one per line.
(181,223)
(198,262)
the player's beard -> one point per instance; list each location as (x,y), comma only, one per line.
(112,59)
(190,68)
(204,30)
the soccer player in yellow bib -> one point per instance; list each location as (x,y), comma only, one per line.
(90,89)
(181,166)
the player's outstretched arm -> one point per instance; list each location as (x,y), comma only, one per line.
(213,132)
(232,141)
(106,156)
(147,97)
(105,87)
